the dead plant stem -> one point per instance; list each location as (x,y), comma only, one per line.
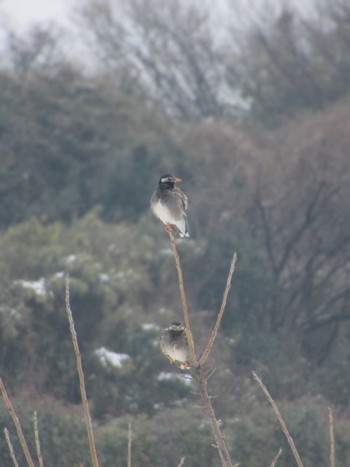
(92,445)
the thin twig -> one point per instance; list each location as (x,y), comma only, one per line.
(331,438)
(9,444)
(275,459)
(17,424)
(37,441)
(92,445)
(279,417)
(183,299)
(205,353)
(181,463)
(129,443)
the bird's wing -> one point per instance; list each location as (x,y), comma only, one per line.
(183,198)
(185,201)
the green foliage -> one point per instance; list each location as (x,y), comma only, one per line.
(62,432)
(159,441)
(76,143)
(258,436)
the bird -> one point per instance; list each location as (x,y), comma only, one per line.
(169,204)
(174,345)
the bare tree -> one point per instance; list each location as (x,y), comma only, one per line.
(168,47)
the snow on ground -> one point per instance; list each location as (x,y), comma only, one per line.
(104,277)
(107,357)
(71,259)
(150,327)
(174,377)
(37,286)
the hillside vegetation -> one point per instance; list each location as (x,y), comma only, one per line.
(266,176)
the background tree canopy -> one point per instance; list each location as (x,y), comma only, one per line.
(256,123)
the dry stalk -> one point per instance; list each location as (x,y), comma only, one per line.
(280,419)
(17,425)
(9,444)
(206,351)
(331,438)
(37,441)
(275,459)
(197,372)
(181,463)
(183,299)
(92,445)
(209,410)
(129,443)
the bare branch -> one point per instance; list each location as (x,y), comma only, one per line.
(279,417)
(331,438)
(17,424)
(181,463)
(275,459)
(183,299)
(129,443)
(209,410)
(9,444)
(81,381)
(205,353)
(37,441)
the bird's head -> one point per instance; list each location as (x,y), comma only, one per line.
(168,181)
(176,326)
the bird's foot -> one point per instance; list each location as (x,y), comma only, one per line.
(185,365)
(168,228)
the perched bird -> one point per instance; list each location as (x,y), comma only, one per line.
(174,345)
(169,204)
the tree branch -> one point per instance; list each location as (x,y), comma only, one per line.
(275,459)
(208,408)
(331,438)
(183,300)
(129,443)
(279,417)
(205,353)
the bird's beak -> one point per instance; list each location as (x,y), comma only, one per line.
(177,180)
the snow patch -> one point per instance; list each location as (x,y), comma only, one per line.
(104,277)
(71,259)
(107,357)
(150,327)
(174,377)
(37,286)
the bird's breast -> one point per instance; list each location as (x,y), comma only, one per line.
(162,212)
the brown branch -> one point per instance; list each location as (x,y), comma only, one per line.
(183,300)
(331,438)
(92,446)
(129,443)
(9,444)
(17,425)
(279,417)
(275,459)
(37,441)
(209,410)
(205,353)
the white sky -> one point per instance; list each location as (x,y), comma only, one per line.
(21,14)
